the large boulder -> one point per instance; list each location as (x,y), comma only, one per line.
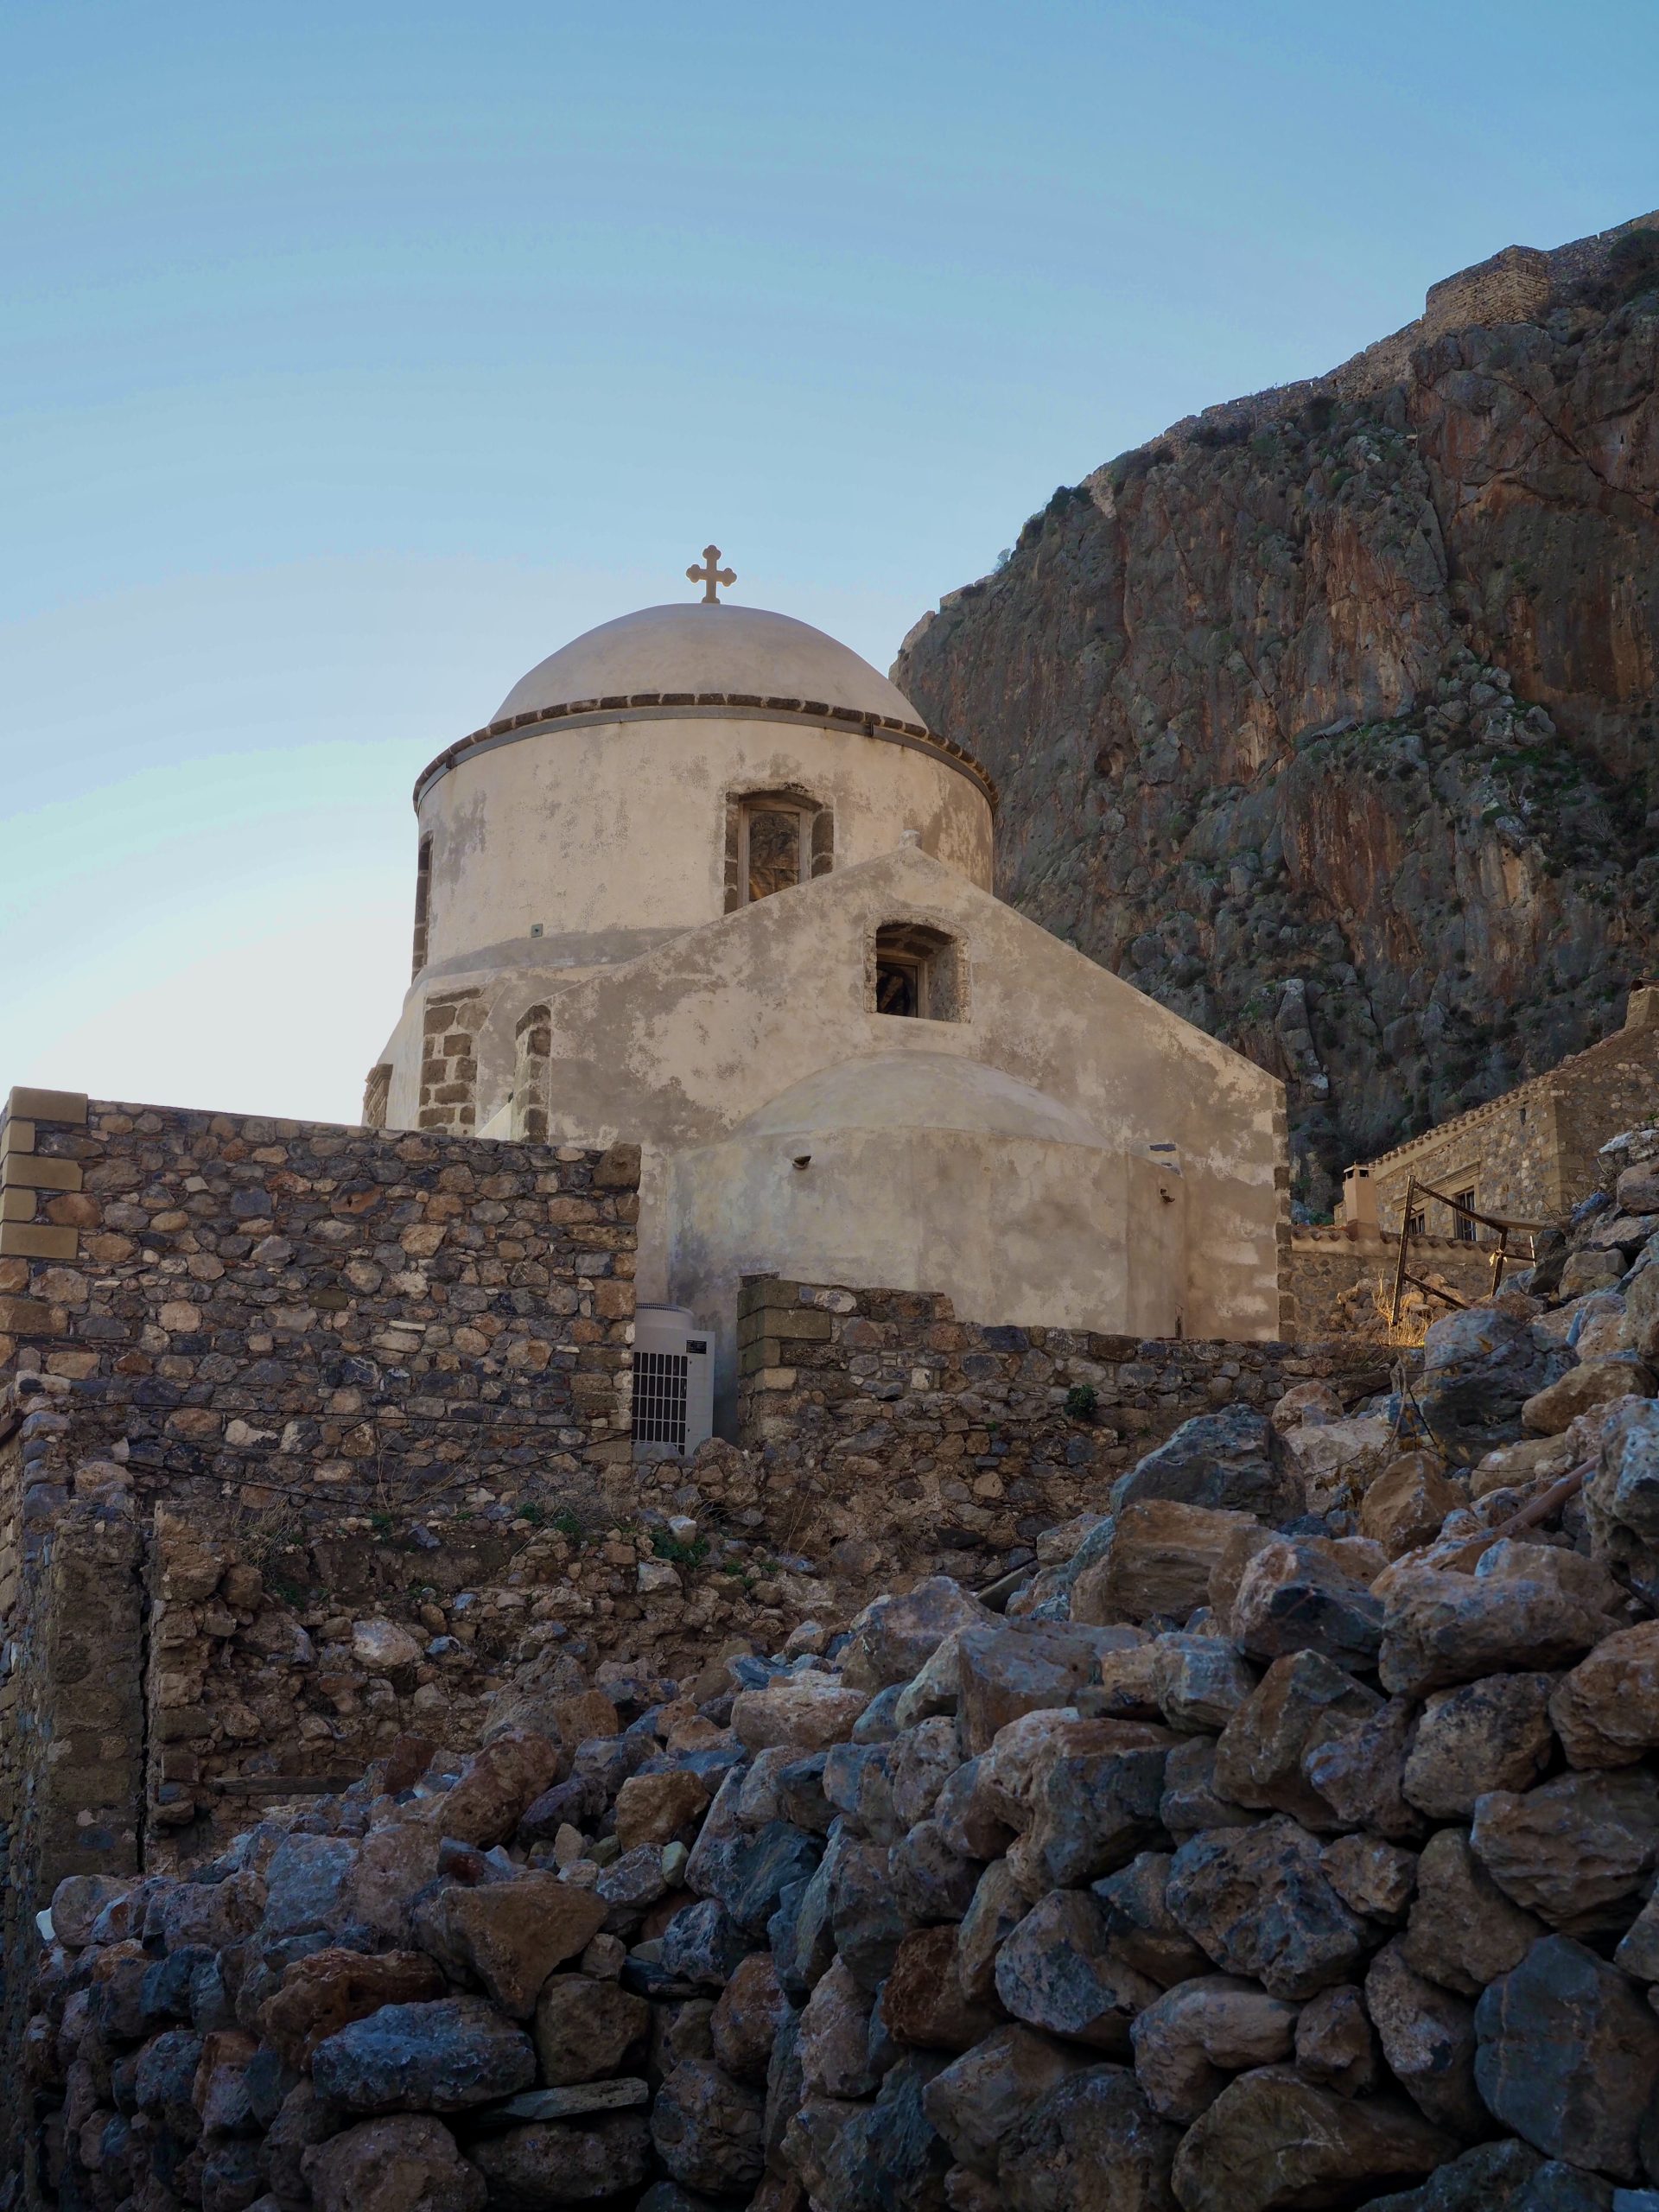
(1607,1711)
(658,1808)
(513,1933)
(811,1712)
(1161,1557)
(999,1905)
(1058,1971)
(536,2168)
(708,2128)
(1462,1931)
(323,1992)
(1257,1901)
(438,2057)
(1479,1368)
(1594,1383)
(1092,2145)
(894,1637)
(1525,1606)
(1020,1666)
(1490,1734)
(585,2028)
(1094,1794)
(1568,2057)
(1337,1461)
(1497,2178)
(752,2012)
(1359,1772)
(1309,1594)
(924,2004)
(1143,1929)
(1407,1504)
(833,2048)
(990,2090)
(1621,1497)
(495,1786)
(1233,1461)
(1428,2039)
(393,2165)
(1189,2041)
(1271,2140)
(1200,1682)
(1576,1851)
(1300,1702)
(1336,2044)
(884,2157)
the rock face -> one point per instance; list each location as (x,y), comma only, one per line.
(1328,724)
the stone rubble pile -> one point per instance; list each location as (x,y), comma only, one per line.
(1287,1838)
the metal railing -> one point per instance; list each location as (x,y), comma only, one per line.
(1464,1212)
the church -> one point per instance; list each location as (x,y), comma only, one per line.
(708,884)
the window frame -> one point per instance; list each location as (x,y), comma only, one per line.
(817,836)
(935,957)
(747,809)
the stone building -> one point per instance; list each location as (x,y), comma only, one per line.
(708,883)
(1529,1155)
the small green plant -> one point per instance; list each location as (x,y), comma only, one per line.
(381,1523)
(669,1546)
(1082,1401)
(536,1514)
(568,1524)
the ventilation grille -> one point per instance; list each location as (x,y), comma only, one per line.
(660,1379)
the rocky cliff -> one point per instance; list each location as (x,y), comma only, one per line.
(1329,719)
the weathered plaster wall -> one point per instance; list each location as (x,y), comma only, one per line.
(619,825)
(679,1047)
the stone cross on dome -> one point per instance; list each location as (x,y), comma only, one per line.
(710,574)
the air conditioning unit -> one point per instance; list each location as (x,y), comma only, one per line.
(673,1380)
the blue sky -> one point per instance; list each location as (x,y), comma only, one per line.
(355,357)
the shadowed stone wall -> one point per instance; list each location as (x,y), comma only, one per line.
(898,1424)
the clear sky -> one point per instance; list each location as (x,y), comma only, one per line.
(354,357)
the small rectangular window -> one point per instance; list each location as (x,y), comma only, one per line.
(774,844)
(1417,1223)
(917,973)
(1463,1228)
(901,986)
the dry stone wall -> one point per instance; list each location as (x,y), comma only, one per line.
(1343,1284)
(893,1426)
(298,1310)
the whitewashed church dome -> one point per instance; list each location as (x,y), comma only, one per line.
(701,651)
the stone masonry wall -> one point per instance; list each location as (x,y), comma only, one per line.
(1513,286)
(448,1061)
(1531,1155)
(292,1308)
(264,1384)
(900,1428)
(1342,1285)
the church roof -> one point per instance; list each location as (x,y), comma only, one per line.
(707,651)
